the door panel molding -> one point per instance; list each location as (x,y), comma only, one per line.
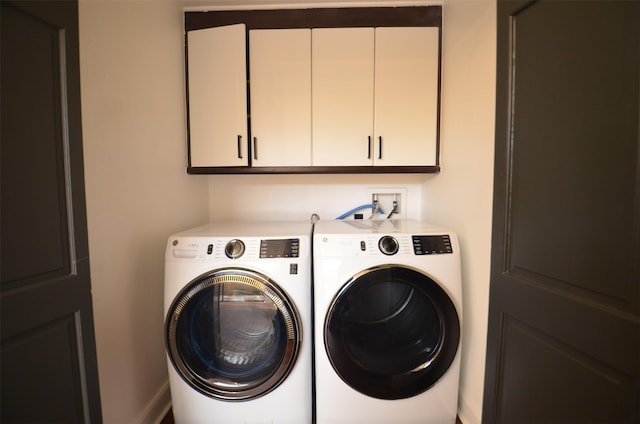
(524,349)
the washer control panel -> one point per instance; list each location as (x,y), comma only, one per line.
(432,245)
(216,248)
(280,248)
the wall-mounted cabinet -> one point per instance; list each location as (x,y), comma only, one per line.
(351,90)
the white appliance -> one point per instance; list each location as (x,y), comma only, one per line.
(237,305)
(388,311)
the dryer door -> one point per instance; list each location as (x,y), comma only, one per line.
(391,332)
(233,334)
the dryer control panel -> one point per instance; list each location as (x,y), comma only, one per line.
(431,245)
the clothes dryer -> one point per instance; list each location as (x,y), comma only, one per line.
(238,323)
(388,311)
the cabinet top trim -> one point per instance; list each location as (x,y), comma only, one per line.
(318,18)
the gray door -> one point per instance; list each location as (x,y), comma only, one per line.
(49,370)
(564,319)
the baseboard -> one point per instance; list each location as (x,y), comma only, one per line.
(467,414)
(157,408)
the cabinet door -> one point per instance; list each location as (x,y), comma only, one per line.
(406,96)
(217,84)
(342,96)
(280,81)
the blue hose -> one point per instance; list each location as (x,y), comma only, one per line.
(354,210)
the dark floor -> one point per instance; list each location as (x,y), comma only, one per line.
(168,419)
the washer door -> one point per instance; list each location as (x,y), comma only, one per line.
(391,332)
(233,334)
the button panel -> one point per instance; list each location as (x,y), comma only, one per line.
(280,248)
(432,245)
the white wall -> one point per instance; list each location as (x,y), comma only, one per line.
(460,197)
(137,191)
(295,197)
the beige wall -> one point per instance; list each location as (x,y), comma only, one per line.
(460,197)
(138,193)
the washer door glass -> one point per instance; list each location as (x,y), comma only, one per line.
(391,332)
(233,334)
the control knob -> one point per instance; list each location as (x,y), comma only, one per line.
(234,249)
(388,245)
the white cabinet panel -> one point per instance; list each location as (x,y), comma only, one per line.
(375,84)
(217,84)
(342,96)
(280,86)
(406,96)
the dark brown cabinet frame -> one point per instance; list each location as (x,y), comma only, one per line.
(317,18)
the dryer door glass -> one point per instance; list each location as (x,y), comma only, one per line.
(233,334)
(391,332)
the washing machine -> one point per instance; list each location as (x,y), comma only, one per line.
(388,314)
(237,304)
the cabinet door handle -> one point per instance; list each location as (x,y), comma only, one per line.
(369,148)
(255,148)
(380,147)
(239,147)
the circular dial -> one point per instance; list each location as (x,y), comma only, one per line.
(388,245)
(234,249)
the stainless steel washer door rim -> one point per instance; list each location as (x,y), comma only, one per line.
(233,334)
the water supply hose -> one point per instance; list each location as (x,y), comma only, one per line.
(354,210)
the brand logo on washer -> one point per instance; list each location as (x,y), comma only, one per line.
(293,269)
